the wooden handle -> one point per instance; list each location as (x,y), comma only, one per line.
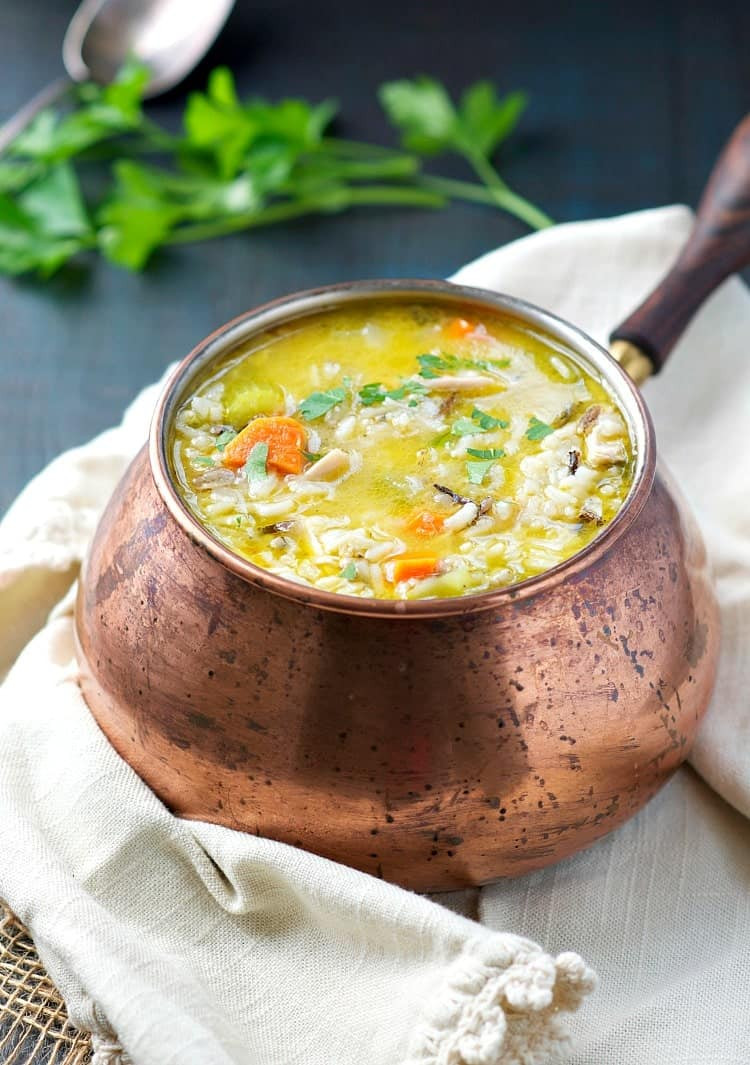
(718,246)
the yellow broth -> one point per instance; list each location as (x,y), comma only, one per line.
(434,453)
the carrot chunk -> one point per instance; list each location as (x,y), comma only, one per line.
(406,567)
(459,327)
(425,523)
(285,437)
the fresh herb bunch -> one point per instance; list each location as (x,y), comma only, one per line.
(236,166)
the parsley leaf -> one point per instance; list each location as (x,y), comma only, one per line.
(485,453)
(486,421)
(26,244)
(255,467)
(374,392)
(371,394)
(349,572)
(319,403)
(224,438)
(537,430)
(203,460)
(488,119)
(463,427)
(423,111)
(433,365)
(476,471)
(106,112)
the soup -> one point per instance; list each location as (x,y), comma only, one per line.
(403,451)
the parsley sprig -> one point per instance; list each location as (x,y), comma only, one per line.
(430,123)
(235,165)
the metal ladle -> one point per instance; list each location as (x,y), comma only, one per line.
(169,36)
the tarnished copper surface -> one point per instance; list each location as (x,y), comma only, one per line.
(450,744)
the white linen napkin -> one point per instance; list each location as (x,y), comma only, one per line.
(179,942)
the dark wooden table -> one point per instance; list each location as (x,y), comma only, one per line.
(630,104)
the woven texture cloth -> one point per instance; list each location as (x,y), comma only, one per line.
(182,942)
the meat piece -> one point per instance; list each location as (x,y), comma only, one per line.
(476,383)
(328,467)
(214,477)
(467,515)
(588,418)
(447,405)
(605,444)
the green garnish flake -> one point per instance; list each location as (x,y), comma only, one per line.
(537,430)
(371,394)
(238,521)
(476,471)
(319,403)
(312,456)
(374,392)
(225,438)
(487,421)
(255,467)
(433,365)
(349,572)
(463,427)
(485,453)
(203,460)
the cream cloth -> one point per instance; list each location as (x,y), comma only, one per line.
(187,943)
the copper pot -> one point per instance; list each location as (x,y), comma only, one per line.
(435,743)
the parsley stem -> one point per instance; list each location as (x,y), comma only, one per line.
(398,166)
(342,146)
(339,200)
(504,196)
(458,190)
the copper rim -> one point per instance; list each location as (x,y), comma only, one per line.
(312,301)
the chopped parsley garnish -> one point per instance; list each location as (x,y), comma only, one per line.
(476,471)
(319,403)
(312,456)
(203,460)
(255,467)
(486,421)
(349,572)
(433,365)
(224,438)
(374,392)
(463,427)
(485,453)
(538,430)
(238,520)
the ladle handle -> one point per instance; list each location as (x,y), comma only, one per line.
(718,246)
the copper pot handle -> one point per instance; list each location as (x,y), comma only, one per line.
(718,246)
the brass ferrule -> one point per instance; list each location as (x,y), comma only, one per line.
(635,364)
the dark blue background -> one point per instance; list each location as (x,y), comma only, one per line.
(630,105)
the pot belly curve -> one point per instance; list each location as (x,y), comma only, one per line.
(434,752)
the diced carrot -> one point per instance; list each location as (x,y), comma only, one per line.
(406,567)
(285,437)
(425,523)
(459,327)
